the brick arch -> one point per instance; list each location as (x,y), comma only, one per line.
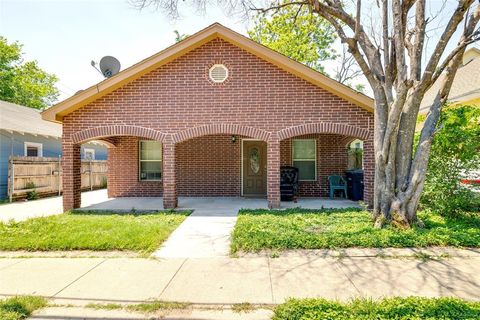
(347,140)
(212,129)
(117,130)
(324,127)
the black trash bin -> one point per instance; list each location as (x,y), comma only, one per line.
(355,184)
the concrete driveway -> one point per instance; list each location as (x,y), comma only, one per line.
(21,210)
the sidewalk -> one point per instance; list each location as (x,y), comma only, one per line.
(260,279)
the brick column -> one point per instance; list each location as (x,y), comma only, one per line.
(273,171)
(111,174)
(170,199)
(368,171)
(71,175)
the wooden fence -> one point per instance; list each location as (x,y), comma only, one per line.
(44,176)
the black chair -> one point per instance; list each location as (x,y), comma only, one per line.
(288,183)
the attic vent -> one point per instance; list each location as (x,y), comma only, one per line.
(218,73)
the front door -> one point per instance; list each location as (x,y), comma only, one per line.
(254,168)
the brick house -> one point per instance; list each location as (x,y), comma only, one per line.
(216,114)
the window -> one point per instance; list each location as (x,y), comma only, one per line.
(150,156)
(89,154)
(33,149)
(305,159)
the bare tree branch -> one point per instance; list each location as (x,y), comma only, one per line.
(417,47)
(447,34)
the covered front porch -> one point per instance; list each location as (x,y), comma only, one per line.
(218,164)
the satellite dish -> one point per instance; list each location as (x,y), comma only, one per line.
(109,66)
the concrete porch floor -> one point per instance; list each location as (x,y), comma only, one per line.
(221,204)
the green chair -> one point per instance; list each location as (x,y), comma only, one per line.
(337,183)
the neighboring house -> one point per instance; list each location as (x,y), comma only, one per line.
(465,91)
(23,132)
(216,114)
(466,84)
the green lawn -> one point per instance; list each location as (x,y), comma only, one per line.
(412,308)
(91,231)
(21,307)
(315,229)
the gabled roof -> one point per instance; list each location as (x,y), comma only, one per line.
(20,119)
(58,111)
(465,86)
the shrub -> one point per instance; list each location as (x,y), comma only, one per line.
(33,194)
(103,183)
(454,154)
(356,156)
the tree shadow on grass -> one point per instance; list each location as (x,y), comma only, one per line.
(345,228)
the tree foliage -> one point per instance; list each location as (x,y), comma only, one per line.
(306,38)
(296,33)
(455,155)
(24,82)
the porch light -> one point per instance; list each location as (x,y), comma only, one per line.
(234,139)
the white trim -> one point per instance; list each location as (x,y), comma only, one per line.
(92,151)
(241,166)
(316,158)
(140,161)
(37,145)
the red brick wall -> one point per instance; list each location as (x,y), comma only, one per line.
(331,159)
(209,166)
(178,96)
(123,171)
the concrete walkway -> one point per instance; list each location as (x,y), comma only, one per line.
(256,279)
(206,232)
(24,210)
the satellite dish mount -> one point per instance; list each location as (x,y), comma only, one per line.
(109,66)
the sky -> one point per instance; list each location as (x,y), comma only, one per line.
(64,36)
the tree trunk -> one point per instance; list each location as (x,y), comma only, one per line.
(394,202)
(392,205)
